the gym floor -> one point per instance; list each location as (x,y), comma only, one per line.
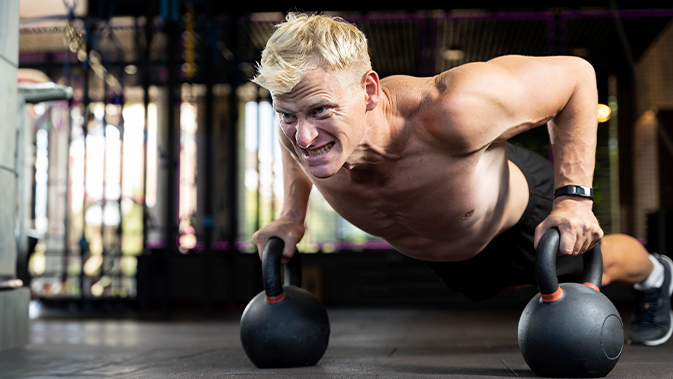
(473,342)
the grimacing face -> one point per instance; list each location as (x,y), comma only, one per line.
(324,119)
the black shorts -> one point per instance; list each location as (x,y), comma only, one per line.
(509,259)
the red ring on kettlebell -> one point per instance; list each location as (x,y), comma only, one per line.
(551,297)
(589,284)
(275,299)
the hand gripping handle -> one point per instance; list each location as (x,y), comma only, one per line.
(271,256)
(545,266)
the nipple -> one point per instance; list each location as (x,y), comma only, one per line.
(467,215)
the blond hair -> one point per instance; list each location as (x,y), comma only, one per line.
(303,43)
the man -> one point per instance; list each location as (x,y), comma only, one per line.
(424,164)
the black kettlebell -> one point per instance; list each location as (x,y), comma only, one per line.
(571,330)
(283,326)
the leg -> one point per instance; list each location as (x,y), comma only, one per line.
(625,260)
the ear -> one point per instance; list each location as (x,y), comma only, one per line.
(372,87)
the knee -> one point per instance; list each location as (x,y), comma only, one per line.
(624,258)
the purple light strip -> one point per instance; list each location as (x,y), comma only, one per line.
(248,245)
(376,18)
(40,56)
(502,16)
(336,245)
(608,13)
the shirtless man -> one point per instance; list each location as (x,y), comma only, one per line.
(424,164)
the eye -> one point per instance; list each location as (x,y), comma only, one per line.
(287,117)
(320,111)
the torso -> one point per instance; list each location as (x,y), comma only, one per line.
(428,201)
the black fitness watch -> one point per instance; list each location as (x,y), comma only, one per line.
(574,190)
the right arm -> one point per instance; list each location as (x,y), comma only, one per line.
(290,224)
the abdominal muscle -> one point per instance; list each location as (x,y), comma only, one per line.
(463,239)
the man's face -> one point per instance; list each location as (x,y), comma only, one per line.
(324,119)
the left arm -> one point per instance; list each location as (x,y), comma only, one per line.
(496,100)
(573,138)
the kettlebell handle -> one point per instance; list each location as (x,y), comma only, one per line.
(273,252)
(545,266)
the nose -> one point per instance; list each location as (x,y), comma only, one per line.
(306,134)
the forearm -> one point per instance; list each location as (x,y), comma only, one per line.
(573,133)
(297,188)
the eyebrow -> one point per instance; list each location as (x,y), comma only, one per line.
(320,103)
(279,110)
(311,105)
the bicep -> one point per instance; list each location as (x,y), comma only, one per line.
(531,86)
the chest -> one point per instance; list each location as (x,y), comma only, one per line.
(429,194)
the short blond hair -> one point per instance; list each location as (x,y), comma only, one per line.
(302,43)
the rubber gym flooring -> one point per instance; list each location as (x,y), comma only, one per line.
(470,342)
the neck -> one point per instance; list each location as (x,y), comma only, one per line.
(375,146)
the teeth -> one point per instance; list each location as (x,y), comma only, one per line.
(322,150)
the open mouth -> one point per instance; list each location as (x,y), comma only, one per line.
(322,150)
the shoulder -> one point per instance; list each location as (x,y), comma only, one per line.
(463,102)
(435,106)
(410,95)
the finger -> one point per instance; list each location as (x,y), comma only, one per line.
(260,248)
(255,237)
(288,252)
(592,235)
(259,241)
(567,244)
(588,245)
(540,230)
(581,245)
(598,236)
(594,241)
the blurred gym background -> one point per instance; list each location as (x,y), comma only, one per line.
(141,159)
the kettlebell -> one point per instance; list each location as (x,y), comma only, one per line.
(283,326)
(571,330)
